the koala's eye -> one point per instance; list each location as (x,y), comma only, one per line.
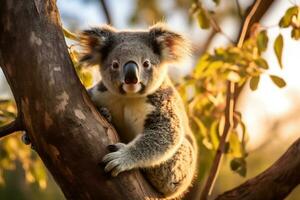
(115,65)
(146,64)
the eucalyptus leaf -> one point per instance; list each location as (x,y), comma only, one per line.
(239,166)
(295,33)
(278,46)
(214,134)
(262,41)
(235,145)
(262,63)
(278,81)
(286,20)
(254,82)
(203,18)
(201,127)
(234,164)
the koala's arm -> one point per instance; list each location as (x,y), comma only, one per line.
(163,134)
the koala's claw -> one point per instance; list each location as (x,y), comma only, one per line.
(115,147)
(118,161)
(105,113)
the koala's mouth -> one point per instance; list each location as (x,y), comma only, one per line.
(132,88)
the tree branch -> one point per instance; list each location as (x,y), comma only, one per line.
(275,183)
(106,12)
(10,128)
(202,48)
(247,23)
(256,17)
(255,12)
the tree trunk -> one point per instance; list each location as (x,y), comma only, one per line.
(53,106)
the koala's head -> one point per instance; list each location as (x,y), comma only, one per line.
(132,63)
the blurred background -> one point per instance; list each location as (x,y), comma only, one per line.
(270,114)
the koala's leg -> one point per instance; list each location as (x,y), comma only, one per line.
(175,176)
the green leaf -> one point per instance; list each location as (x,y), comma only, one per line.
(227,147)
(201,65)
(262,63)
(278,81)
(239,166)
(214,134)
(212,68)
(278,45)
(203,18)
(201,127)
(254,82)
(234,164)
(262,41)
(235,145)
(242,171)
(286,20)
(295,33)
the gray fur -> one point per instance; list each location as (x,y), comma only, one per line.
(152,120)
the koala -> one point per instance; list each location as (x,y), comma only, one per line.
(145,107)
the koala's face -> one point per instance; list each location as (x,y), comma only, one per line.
(133,63)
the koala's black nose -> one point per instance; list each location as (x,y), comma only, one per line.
(131,72)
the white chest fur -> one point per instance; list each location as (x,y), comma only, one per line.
(128,114)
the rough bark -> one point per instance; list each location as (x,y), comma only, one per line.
(275,183)
(54,109)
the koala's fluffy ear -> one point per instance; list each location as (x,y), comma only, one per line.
(172,46)
(93,41)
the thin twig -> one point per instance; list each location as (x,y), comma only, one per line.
(214,24)
(221,148)
(229,110)
(106,12)
(246,24)
(10,128)
(200,49)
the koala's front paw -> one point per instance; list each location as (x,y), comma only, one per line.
(118,161)
(105,113)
